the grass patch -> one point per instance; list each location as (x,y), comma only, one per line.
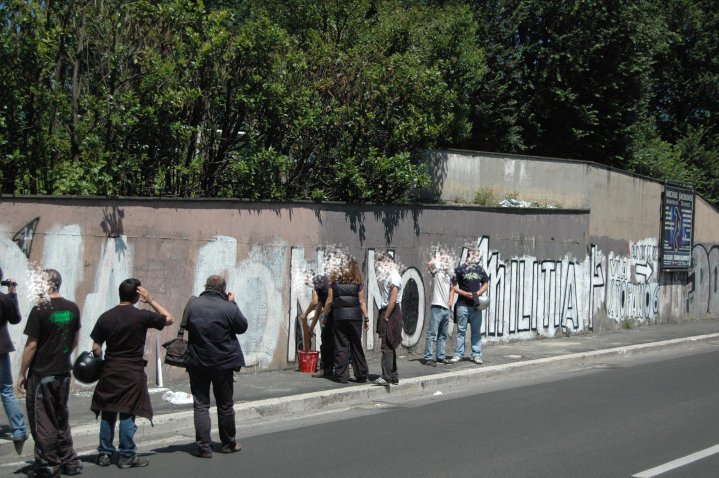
(485,197)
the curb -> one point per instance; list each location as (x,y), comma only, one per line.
(180,423)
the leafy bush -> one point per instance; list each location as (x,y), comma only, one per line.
(485,197)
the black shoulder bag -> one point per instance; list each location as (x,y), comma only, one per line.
(177,354)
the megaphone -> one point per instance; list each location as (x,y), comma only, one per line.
(480,302)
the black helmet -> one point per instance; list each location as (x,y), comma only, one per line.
(87,368)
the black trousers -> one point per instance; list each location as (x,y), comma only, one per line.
(348,343)
(327,348)
(49,421)
(389,353)
(389,359)
(222,388)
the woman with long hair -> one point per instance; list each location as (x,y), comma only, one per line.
(346,301)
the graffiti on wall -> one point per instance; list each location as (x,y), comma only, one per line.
(413,298)
(115,264)
(530,296)
(412,301)
(703,288)
(258,284)
(112,221)
(633,287)
(24,237)
(63,250)
(300,297)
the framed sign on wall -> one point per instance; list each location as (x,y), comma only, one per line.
(677,226)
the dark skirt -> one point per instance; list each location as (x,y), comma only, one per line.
(123,388)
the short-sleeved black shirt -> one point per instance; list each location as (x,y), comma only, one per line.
(469,278)
(124,329)
(54,325)
(321,284)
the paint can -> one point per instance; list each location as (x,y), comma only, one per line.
(308,361)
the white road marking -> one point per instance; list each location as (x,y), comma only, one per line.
(677,463)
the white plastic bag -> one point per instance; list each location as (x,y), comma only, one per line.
(177,398)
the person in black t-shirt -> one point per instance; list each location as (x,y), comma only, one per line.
(122,388)
(52,334)
(470,282)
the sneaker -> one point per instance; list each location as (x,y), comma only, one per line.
(72,470)
(359,380)
(379,381)
(319,374)
(455,359)
(477,360)
(132,462)
(20,438)
(444,361)
(103,460)
(429,363)
(395,382)
(231,448)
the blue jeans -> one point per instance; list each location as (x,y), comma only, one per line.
(12,409)
(474,318)
(438,323)
(127,433)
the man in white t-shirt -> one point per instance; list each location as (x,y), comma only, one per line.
(389,322)
(442,298)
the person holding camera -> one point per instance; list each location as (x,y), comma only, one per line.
(122,388)
(52,331)
(213,322)
(442,303)
(10,314)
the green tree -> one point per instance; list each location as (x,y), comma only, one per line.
(299,99)
(259,99)
(377,84)
(579,75)
(685,100)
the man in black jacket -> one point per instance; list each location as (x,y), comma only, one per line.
(213,322)
(10,314)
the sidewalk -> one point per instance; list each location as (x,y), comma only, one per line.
(266,394)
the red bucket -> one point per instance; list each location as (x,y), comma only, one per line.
(308,361)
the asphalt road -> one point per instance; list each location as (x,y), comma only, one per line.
(613,419)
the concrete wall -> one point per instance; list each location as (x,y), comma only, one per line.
(551,270)
(623,206)
(457,175)
(624,225)
(545,275)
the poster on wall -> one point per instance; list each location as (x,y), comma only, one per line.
(677,227)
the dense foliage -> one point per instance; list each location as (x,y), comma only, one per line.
(298,99)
